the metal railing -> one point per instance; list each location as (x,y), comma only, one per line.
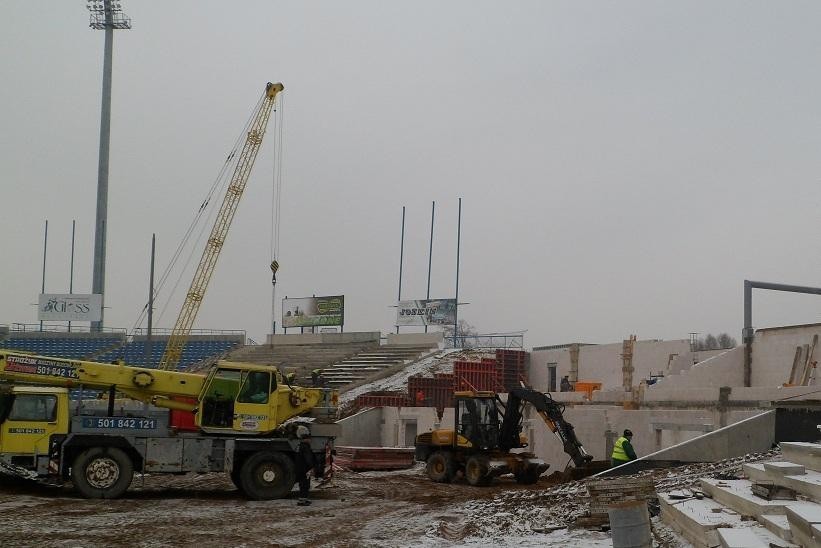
(491,340)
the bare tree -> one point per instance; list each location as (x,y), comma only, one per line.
(726,341)
(711,342)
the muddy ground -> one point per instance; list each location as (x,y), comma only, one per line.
(366,509)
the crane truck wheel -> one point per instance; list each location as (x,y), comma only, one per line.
(440,467)
(477,470)
(267,475)
(102,473)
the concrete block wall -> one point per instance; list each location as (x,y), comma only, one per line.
(603,363)
(653,429)
(774,351)
(362,430)
(724,369)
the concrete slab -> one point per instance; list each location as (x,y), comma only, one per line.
(784,468)
(739,538)
(697,520)
(802,518)
(808,484)
(737,495)
(806,454)
(755,472)
(816,532)
(776,524)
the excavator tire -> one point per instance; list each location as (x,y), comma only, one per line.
(528,476)
(267,475)
(102,473)
(440,467)
(477,470)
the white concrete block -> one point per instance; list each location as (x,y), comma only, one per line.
(816,532)
(807,454)
(737,495)
(784,468)
(739,538)
(776,524)
(755,472)
(808,484)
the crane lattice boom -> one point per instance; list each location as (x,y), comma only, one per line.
(208,261)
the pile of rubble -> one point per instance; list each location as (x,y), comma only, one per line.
(566,505)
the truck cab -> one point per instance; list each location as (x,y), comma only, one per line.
(29,417)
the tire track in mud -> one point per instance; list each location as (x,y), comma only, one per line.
(367,509)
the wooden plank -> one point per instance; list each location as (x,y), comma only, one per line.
(805,378)
(795,362)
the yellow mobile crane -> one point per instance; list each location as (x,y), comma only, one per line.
(239,413)
(208,261)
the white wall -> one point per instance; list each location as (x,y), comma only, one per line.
(774,351)
(603,362)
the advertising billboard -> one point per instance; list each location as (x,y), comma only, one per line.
(312,311)
(426,312)
(69,307)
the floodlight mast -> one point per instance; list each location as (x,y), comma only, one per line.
(104,15)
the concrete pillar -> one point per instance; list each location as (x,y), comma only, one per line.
(723,405)
(574,363)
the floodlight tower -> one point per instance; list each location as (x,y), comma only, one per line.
(105,15)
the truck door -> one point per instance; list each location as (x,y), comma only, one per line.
(253,410)
(239,400)
(30,421)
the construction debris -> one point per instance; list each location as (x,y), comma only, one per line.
(374,458)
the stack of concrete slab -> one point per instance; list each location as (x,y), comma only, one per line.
(727,513)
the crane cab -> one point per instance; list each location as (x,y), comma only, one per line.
(250,399)
(29,417)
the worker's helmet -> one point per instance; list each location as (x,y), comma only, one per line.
(302,432)
(628,433)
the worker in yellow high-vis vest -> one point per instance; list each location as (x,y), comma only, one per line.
(623,451)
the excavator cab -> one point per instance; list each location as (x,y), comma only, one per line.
(477,420)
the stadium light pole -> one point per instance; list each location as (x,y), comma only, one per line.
(104,15)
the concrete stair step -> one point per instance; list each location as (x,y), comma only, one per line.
(807,483)
(806,454)
(804,523)
(748,537)
(737,495)
(784,468)
(777,525)
(698,520)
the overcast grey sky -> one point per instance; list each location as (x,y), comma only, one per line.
(624,166)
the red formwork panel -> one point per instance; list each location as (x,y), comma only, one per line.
(435,392)
(481,375)
(383,399)
(513,367)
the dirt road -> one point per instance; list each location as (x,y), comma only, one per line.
(366,509)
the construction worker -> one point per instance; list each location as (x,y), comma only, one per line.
(565,386)
(304,462)
(420,398)
(316,378)
(623,451)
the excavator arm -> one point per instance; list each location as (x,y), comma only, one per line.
(553,415)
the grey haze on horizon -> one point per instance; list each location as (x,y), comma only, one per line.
(623,166)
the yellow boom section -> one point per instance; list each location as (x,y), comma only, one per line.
(208,261)
(148,385)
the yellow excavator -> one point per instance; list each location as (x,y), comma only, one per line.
(486,430)
(241,415)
